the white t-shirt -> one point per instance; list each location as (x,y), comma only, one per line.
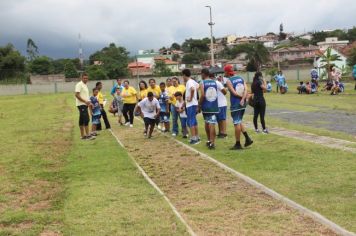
(83,91)
(149,108)
(222,102)
(180,105)
(191,84)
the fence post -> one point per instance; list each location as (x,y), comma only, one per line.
(55,87)
(25,88)
(298,74)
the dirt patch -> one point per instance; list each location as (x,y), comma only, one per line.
(212,201)
(50,233)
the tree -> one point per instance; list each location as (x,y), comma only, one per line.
(175,46)
(32,50)
(351,61)
(161,69)
(96,72)
(114,60)
(257,54)
(282,35)
(191,45)
(41,66)
(70,71)
(195,57)
(328,58)
(351,34)
(11,62)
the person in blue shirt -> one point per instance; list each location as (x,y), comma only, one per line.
(163,100)
(269,87)
(354,74)
(95,111)
(117,85)
(208,104)
(281,81)
(314,76)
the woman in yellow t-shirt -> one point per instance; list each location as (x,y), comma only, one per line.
(129,95)
(143,89)
(156,90)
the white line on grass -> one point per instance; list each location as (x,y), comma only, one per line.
(154,185)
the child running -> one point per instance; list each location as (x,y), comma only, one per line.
(180,109)
(94,111)
(149,110)
(164,104)
(118,105)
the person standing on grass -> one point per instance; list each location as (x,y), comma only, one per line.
(117,106)
(222,103)
(176,87)
(180,109)
(258,87)
(191,103)
(208,104)
(82,102)
(280,80)
(143,90)
(238,94)
(100,97)
(95,111)
(149,109)
(129,96)
(154,88)
(117,85)
(163,102)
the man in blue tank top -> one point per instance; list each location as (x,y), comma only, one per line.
(238,94)
(208,104)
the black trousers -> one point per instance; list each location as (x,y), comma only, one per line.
(105,119)
(83,115)
(259,110)
(128,111)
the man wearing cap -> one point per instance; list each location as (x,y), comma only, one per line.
(238,94)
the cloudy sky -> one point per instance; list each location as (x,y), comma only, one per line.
(149,24)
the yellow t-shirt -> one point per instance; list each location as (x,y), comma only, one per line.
(100,98)
(83,91)
(129,95)
(172,90)
(143,94)
(156,91)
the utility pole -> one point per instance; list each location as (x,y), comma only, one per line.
(211,38)
(137,75)
(81,57)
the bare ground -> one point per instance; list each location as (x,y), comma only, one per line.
(211,200)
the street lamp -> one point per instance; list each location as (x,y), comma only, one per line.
(211,38)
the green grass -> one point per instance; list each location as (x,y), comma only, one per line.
(52,182)
(320,178)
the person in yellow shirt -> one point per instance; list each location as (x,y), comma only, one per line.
(154,88)
(143,90)
(129,95)
(176,87)
(100,98)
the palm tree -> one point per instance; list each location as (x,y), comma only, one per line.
(258,55)
(328,58)
(32,49)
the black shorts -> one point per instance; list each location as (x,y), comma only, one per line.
(149,121)
(83,115)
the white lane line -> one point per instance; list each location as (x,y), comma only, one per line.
(154,185)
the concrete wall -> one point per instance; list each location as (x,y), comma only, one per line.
(45,79)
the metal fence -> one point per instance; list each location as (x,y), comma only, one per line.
(64,87)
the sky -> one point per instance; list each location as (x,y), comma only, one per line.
(54,25)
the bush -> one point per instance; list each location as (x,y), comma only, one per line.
(70,70)
(95,72)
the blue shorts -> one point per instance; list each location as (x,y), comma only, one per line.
(95,120)
(164,117)
(210,118)
(192,116)
(183,122)
(221,116)
(237,116)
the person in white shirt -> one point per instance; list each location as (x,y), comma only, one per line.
(180,108)
(222,103)
(82,102)
(149,109)
(191,103)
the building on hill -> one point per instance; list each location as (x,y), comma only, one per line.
(332,42)
(139,68)
(172,65)
(296,53)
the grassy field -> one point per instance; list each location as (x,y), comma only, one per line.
(52,183)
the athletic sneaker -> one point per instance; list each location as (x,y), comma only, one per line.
(127,123)
(257,131)
(88,137)
(265,131)
(194,142)
(145,133)
(185,136)
(208,143)
(221,135)
(236,147)
(159,127)
(131,126)
(174,134)
(248,142)
(211,146)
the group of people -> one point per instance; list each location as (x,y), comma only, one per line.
(165,104)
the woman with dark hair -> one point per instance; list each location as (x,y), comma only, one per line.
(129,96)
(143,89)
(258,87)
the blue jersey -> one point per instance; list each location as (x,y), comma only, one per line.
(314,74)
(210,102)
(163,98)
(113,90)
(238,84)
(96,106)
(269,87)
(354,72)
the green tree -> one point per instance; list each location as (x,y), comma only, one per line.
(41,66)
(114,60)
(12,63)
(31,49)
(195,57)
(161,69)
(351,34)
(351,60)
(175,46)
(96,72)
(257,54)
(191,45)
(328,58)
(70,71)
